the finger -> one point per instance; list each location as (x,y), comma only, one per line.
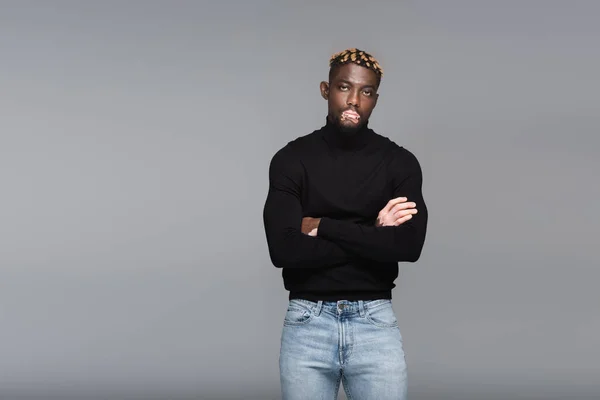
(402,220)
(402,206)
(393,202)
(407,204)
(398,211)
(402,213)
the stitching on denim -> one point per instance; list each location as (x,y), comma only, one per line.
(292,308)
(295,323)
(379,324)
(346,388)
(377,305)
(350,344)
(337,385)
(304,305)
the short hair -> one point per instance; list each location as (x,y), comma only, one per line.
(358,57)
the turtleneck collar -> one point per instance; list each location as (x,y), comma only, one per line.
(346,140)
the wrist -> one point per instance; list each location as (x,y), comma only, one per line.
(325,227)
(315,227)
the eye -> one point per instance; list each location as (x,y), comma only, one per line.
(368,92)
(343,87)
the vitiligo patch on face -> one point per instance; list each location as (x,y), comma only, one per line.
(350,116)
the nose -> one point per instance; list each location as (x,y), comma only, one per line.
(353,99)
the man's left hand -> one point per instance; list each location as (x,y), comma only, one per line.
(310,225)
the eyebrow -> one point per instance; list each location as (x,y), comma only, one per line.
(351,83)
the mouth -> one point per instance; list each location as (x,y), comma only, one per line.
(350,115)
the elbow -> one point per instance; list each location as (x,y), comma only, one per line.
(277,254)
(401,255)
(278,260)
(405,255)
(412,257)
(283,260)
(411,253)
(282,251)
(281,256)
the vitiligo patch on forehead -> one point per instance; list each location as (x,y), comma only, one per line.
(358,57)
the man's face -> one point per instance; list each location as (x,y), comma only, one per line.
(351,96)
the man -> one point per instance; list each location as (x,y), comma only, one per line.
(344,207)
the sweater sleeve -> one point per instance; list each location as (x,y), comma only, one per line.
(387,243)
(282,218)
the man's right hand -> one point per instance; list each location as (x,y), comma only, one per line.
(396,212)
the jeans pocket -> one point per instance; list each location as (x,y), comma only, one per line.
(382,316)
(297,314)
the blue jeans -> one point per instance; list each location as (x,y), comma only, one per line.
(357,343)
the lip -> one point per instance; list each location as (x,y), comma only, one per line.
(351,114)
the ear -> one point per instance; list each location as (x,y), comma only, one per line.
(324,90)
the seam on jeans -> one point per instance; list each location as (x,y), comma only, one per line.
(381,303)
(337,385)
(346,388)
(294,323)
(293,308)
(381,325)
(306,305)
(350,341)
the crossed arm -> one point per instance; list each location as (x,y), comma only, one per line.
(282,218)
(294,241)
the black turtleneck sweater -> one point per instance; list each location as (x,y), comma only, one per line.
(344,179)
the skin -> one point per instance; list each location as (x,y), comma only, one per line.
(353,87)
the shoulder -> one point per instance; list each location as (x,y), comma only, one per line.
(395,152)
(290,155)
(398,157)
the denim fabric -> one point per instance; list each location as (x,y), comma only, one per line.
(357,343)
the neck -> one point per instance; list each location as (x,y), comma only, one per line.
(346,140)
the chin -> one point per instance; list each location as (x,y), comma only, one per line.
(348,127)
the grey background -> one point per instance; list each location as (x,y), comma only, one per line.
(135,138)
